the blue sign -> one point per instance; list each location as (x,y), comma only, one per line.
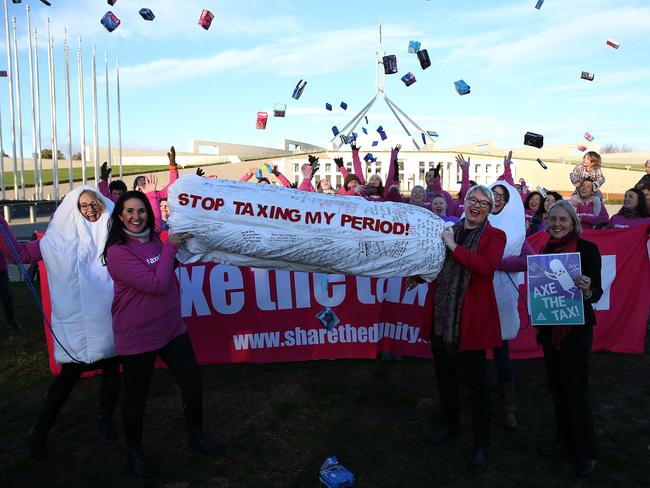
(553,297)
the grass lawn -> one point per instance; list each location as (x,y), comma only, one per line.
(64,174)
(279,421)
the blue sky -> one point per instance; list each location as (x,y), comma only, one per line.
(179,82)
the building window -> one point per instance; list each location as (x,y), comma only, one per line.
(328,167)
(296,168)
(339,181)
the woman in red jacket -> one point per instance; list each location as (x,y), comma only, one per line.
(466,319)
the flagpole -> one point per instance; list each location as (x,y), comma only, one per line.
(66,50)
(108,112)
(11,103)
(119,117)
(38,116)
(2,163)
(31,100)
(82,116)
(19,111)
(55,150)
(95,130)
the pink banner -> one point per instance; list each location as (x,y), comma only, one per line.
(252,315)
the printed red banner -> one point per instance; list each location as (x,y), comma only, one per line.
(239,314)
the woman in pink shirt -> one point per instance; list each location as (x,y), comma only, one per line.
(147,322)
(633,212)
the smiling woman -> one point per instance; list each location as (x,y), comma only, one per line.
(466,319)
(567,348)
(147,322)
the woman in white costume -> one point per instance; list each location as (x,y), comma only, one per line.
(81,293)
(508,215)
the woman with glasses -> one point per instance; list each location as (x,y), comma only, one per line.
(466,319)
(508,215)
(81,293)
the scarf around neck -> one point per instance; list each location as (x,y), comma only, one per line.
(452,283)
(140,236)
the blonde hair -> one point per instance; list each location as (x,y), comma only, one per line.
(484,190)
(594,157)
(577,226)
(95,198)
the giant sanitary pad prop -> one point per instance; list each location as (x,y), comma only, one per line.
(81,289)
(265,226)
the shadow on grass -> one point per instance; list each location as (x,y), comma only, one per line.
(279,421)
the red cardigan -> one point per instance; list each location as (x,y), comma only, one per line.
(479,318)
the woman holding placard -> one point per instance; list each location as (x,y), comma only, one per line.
(567,348)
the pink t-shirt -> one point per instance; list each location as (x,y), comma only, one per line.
(620,222)
(146,306)
(587,218)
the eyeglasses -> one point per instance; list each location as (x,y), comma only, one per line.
(88,206)
(473,202)
(499,196)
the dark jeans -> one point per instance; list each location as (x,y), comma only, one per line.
(5,296)
(568,378)
(60,389)
(179,357)
(503,363)
(472,365)
(71,372)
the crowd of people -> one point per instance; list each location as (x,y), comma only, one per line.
(117,232)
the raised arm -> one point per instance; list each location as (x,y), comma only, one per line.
(29,252)
(341,167)
(104,174)
(464,182)
(356,163)
(283,180)
(437,186)
(173,171)
(307,173)
(507,170)
(151,181)
(248,175)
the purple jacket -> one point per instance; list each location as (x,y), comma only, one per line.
(146,306)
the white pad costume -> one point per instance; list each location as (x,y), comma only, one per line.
(511,221)
(81,290)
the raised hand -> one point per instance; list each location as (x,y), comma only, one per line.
(307,171)
(171,155)
(461,161)
(275,171)
(507,160)
(436,171)
(199,172)
(338,162)
(312,159)
(150,183)
(354,147)
(105,172)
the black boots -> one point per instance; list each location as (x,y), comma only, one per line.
(479,462)
(137,464)
(200,441)
(37,435)
(443,434)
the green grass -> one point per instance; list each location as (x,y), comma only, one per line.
(279,421)
(64,174)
